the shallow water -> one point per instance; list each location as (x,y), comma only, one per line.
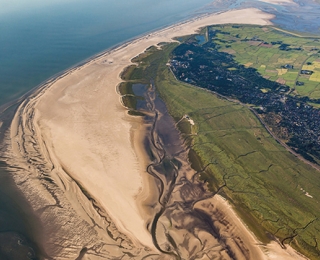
(303,16)
(35,45)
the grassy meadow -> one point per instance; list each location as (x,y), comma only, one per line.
(276,194)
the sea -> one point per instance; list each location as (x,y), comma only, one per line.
(40,39)
(47,37)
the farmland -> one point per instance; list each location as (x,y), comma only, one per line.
(247,64)
(276,55)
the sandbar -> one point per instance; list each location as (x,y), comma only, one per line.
(77,125)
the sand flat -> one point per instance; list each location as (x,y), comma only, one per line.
(86,132)
(89,131)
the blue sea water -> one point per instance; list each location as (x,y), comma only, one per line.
(39,40)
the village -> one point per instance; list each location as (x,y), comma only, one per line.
(291,117)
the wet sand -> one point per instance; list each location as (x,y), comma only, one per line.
(77,156)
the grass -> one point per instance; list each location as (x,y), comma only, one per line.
(125,88)
(266,184)
(252,47)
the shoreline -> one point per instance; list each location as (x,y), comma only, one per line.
(108,51)
(73,125)
(93,57)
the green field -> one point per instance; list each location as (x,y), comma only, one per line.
(252,46)
(275,193)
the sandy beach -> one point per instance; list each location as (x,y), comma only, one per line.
(80,163)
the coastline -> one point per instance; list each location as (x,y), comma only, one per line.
(76,124)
